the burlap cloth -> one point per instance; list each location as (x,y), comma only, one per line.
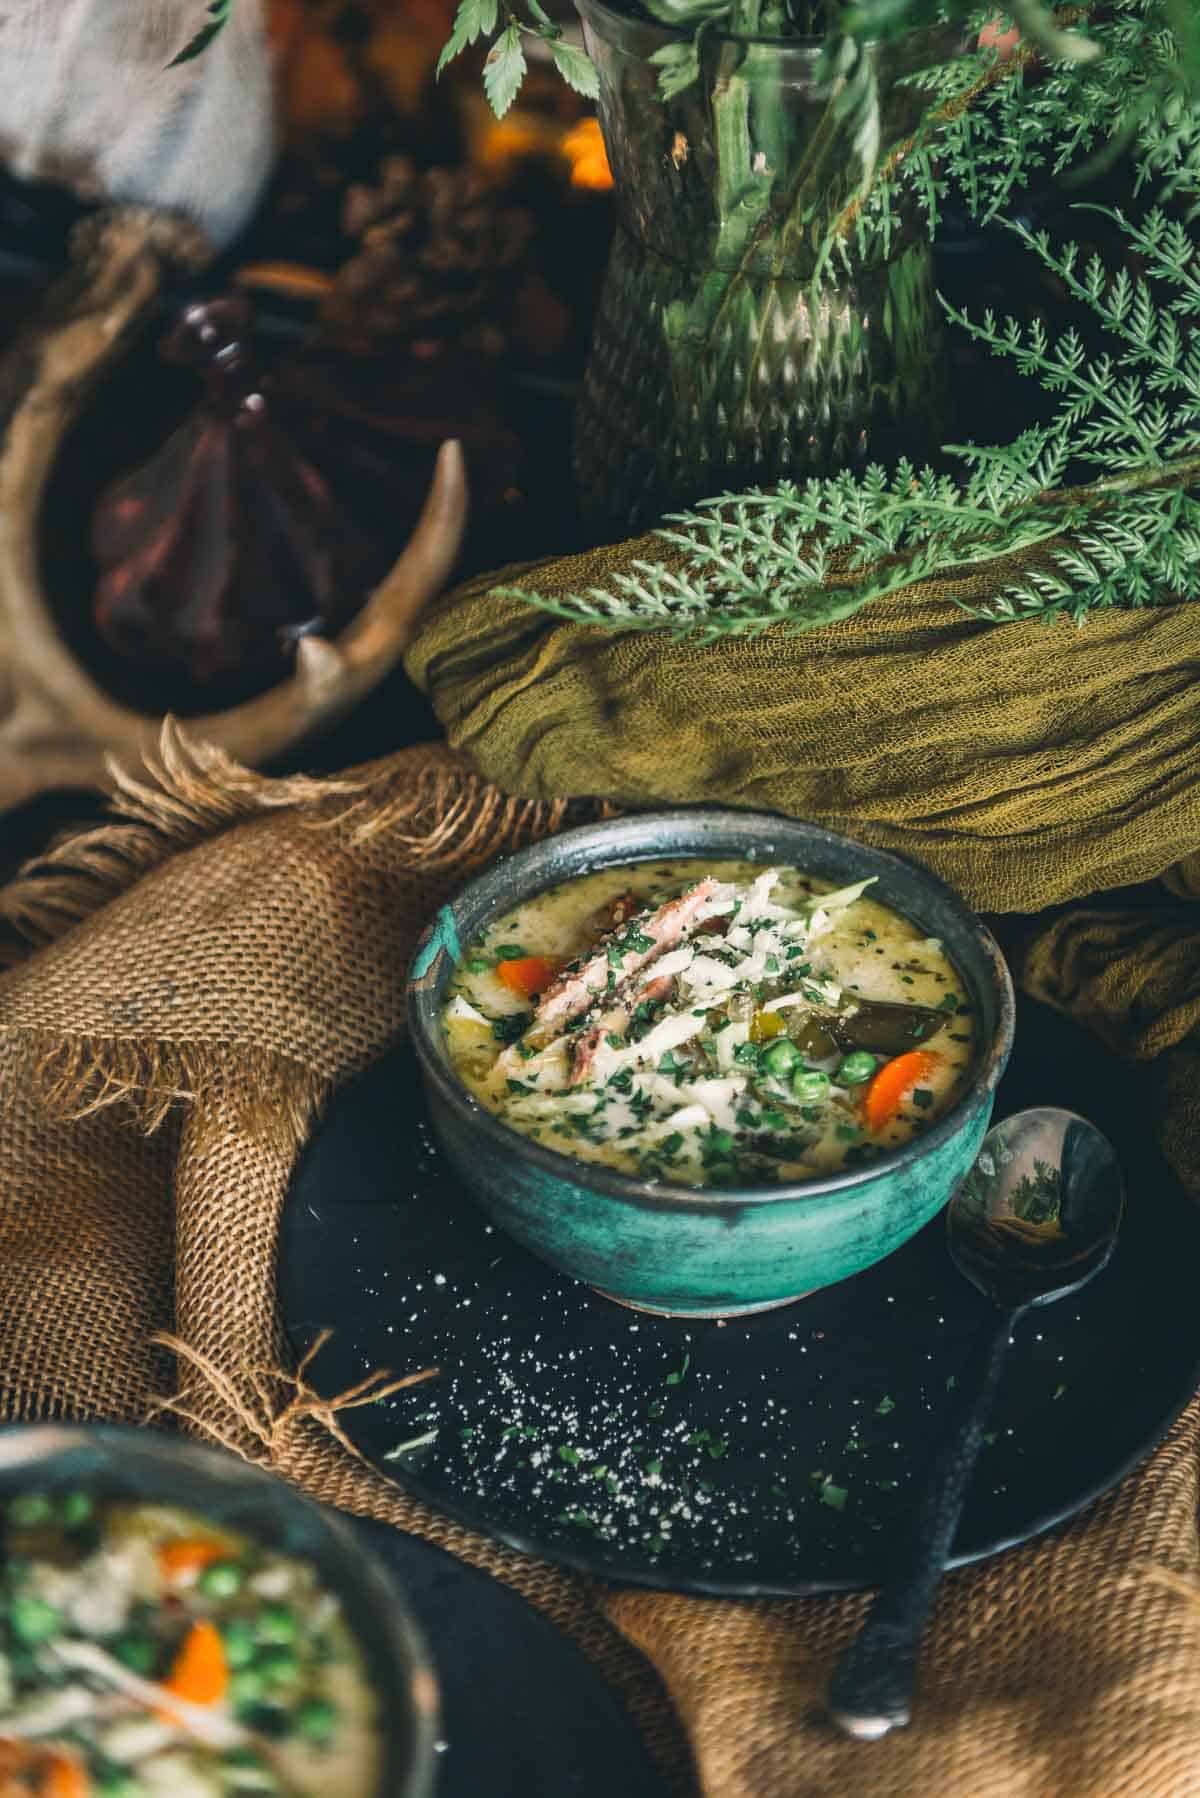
(214,964)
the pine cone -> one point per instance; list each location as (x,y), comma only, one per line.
(438,257)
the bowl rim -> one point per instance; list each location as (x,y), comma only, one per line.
(30,1444)
(423,1012)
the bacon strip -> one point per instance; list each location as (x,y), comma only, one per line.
(574,993)
(583,1050)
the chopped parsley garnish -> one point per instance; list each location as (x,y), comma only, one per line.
(885,1405)
(507,1030)
(510,952)
(613,1040)
(671,1145)
(570,1455)
(676,1378)
(520,1086)
(748,1054)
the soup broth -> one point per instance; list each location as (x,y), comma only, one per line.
(145,1653)
(710,1024)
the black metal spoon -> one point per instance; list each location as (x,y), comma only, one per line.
(1036,1217)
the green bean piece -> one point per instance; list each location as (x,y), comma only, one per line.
(241,1642)
(886,1028)
(276,1623)
(810,1085)
(781,1057)
(223,1579)
(317,1719)
(811,1036)
(32,1620)
(136,1651)
(30,1510)
(854,1070)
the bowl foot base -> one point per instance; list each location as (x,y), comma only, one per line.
(716,1314)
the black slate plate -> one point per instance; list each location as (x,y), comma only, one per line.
(770,1454)
(524,1713)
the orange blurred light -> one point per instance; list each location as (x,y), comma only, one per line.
(583,148)
(508,141)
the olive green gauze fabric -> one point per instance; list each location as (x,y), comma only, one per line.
(1028,763)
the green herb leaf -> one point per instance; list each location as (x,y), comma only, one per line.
(474,18)
(576,68)
(678,66)
(504,70)
(219,14)
(676,1378)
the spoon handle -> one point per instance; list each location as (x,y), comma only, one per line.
(871,1691)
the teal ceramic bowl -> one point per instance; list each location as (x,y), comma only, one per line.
(684,1251)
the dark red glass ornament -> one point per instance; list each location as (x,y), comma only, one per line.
(228,544)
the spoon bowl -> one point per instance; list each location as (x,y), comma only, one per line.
(1035,1219)
(1038,1214)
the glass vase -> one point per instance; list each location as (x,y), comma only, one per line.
(723,356)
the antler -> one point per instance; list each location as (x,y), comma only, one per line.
(58,728)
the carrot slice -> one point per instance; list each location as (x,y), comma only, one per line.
(200,1673)
(529,975)
(892,1084)
(64,1777)
(186,1558)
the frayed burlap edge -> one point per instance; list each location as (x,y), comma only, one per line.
(449,816)
(191,791)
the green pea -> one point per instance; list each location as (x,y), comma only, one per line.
(317,1719)
(279,1664)
(276,1623)
(241,1642)
(137,1652)
(32,1620)
(781,1057)
(854,1069)
(810,1085)
(246,1687)
(30,1510)
(223,1579)
(76,1508)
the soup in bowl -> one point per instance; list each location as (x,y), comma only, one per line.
(709,1061)
(177,1624)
